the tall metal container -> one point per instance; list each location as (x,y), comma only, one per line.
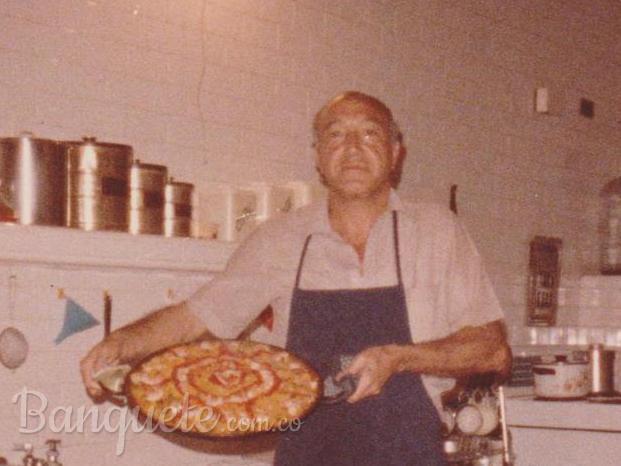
(146,198)
(178,208)
(98,185)
(32,180)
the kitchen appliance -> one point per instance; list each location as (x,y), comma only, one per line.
(178,208)
(602,363)
(32,180)
(562,379)
(147,183)
(610,228)
(98,185)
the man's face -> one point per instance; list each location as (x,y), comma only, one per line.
(355,152)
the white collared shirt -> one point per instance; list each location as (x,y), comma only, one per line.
(445,284)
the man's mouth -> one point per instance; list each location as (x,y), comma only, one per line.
(360,168)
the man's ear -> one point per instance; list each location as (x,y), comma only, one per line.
(322,177)
(398,153)
(398,156)
(317,169)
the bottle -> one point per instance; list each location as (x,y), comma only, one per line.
(610,228)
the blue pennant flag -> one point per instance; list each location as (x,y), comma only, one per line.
(77,319)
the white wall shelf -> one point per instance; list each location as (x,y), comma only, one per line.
(58,246)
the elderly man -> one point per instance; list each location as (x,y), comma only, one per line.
(399,286)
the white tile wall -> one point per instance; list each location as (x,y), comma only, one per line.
(224,90)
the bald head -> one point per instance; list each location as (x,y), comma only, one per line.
(322,118)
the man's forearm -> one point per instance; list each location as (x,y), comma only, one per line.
(471,350)
(162,328)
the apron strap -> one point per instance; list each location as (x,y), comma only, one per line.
(395,234)
(299,272)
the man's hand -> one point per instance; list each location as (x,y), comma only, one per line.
(165,327)
(105,354)
(469,351)
(373,367)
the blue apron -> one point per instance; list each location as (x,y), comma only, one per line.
(398,427)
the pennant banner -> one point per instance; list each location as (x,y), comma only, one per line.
(77,319)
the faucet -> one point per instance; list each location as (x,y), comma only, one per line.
(52,453)
(28,459)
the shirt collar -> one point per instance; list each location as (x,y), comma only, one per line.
(321,223)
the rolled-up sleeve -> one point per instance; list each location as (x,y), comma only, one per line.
(234,297)
(470,298)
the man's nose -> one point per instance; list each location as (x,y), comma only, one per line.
(352,140)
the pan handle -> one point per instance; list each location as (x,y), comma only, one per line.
(342,389)
(107,314)
(117,399)
(543,371)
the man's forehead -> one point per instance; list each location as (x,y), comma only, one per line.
(354,109)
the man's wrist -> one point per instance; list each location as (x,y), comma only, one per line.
(402,355)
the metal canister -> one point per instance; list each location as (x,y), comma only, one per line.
(178,208)
(98,185)
(602,370)
(32,181)
(146,198)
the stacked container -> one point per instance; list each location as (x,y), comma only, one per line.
(98,185)
(146,198)
(178,208)
(32,181)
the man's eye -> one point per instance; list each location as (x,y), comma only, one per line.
(371,134)
(335,134)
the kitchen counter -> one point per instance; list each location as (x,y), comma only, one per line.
(524,410)
(550,433)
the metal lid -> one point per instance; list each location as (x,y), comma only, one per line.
(138,165)
(92,141)
(179,184)
(27,136)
